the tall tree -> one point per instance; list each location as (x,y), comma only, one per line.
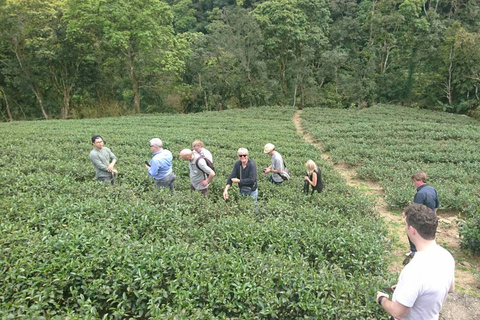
(29,27)
(137,33)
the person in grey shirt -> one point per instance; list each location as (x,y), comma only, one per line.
(277,165)
(201,175)
(103,160)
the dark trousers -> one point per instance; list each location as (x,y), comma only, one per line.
(204,192)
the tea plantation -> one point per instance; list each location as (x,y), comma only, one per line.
(389,143)
(74,248)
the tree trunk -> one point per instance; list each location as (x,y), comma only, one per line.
(134,81)
(6,103)
(29,76)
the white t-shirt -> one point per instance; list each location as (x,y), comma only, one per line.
(205,153)
(424,283)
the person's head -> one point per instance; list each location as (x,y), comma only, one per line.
(97,142)
(156,144)
(243,154)
(419,178)
(422,219)
(269,148)
(310,166)
(197,145)
(186,154)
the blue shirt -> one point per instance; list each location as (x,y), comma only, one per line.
(161,164)
(427,195)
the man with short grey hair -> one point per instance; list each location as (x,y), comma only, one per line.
(201,175)
(160,167)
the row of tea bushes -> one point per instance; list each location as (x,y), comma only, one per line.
(73,248)
(389,143)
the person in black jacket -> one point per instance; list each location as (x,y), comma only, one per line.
(313,177)
(245,174)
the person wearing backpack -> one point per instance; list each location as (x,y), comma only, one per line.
(277,166)
(198,147)
(313,177)
(201,171)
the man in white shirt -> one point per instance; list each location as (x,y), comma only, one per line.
(426,280)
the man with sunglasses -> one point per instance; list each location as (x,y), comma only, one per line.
(245,174)
(103,160)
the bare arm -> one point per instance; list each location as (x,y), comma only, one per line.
(395,309)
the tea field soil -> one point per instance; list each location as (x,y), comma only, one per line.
(462,304)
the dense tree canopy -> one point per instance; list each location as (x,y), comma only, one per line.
(90,58)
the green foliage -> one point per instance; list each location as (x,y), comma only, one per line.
(74,248)
(388,144)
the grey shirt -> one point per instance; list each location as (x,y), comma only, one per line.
(277,164)
(101,159)
(196,175)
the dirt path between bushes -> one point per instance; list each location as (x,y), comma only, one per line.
(464,303)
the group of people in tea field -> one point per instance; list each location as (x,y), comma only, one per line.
(202,169)
(424,282)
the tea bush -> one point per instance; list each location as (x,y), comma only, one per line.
(389,143)
(74,248)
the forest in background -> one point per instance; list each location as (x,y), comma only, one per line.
(92,58)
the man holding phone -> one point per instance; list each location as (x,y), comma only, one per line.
(425,281)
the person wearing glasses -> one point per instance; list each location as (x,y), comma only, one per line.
(245,174)
(160,167)
(103,160)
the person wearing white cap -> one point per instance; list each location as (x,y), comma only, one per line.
(277,165)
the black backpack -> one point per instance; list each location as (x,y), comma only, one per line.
(207,161)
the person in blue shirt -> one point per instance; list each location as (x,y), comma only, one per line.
(160,168)
(426,195)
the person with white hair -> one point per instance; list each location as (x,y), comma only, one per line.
(160,167)
(244,174)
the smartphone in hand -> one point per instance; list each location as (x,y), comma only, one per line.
(387,290)
(147,163)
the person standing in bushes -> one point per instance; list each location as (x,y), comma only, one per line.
(426,195)
(160,167)
(201,175)
(277,165)
(313,177)
(245,174)
(103,160)
(198,147)
(424,283)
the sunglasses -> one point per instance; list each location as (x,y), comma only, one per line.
(243,155)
